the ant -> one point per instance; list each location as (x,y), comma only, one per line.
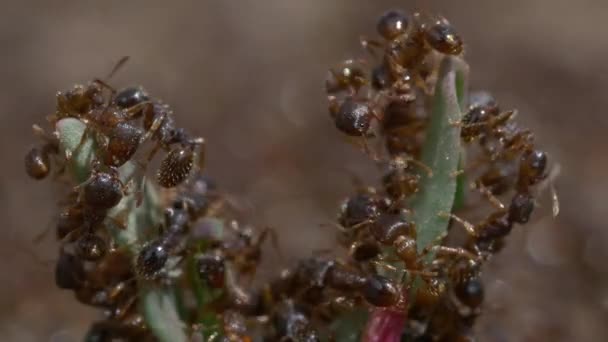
(313,275)
(159,125)
(154,255)
(400,182)
(38,159)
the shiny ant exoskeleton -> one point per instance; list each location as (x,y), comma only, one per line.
(38,159)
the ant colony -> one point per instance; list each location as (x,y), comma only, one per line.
(193,239)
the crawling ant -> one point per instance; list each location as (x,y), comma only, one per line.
(400,182)
(314,275)
(244,251)
(154,255)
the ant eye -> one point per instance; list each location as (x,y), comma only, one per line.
(151,259)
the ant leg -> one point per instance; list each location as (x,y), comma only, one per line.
(457,251)
(133,111)
(488,194)
(421,165)
(154,127)
(121,62)
(367,150)
(394,269)
(200,155)
(94,170)
(468,226)
(370,45)
(274,240)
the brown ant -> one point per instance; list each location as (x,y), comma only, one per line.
(38,159)
(400,182)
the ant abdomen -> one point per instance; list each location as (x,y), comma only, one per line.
(343,279)
(103,191)
(388,227)
(37,163)
(91,247)
(353,117)
(470,292)
(442,37)
(176,167)
(362,251)
(123,141)
(151,259)
(380,291)
(392,24)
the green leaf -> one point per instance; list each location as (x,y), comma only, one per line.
(79,152)
(348,327)
(160,312)
(158,304)
(441,152)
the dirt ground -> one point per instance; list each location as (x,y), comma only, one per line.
(248,76)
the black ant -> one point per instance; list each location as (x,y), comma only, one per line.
(154,255)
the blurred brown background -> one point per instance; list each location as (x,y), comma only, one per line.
(248,76)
